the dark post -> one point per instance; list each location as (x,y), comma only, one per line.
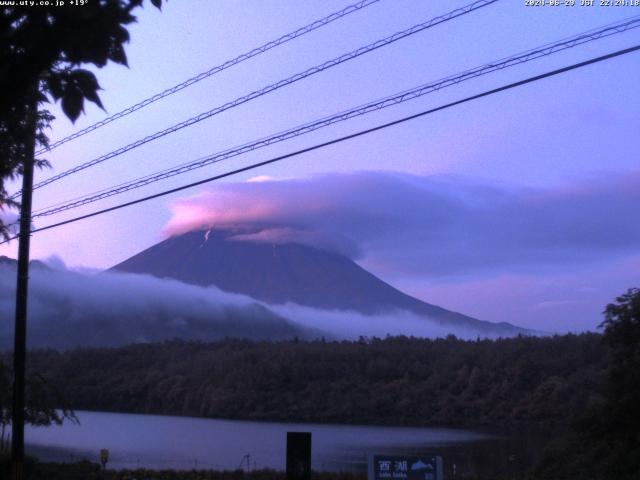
(298,456)
(104,458)
(20,341)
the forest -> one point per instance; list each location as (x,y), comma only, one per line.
(396,380)
(582,388)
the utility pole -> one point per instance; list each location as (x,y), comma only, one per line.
(20,340)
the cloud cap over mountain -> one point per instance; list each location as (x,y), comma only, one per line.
(430,226)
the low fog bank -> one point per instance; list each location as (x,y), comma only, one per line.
(350,325)
(69,309)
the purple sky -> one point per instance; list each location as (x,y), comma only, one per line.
(518,207)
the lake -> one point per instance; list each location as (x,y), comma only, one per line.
(167,442)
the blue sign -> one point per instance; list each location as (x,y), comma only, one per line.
(403,467)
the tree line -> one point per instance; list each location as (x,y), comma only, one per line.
(584,387)
(396,380)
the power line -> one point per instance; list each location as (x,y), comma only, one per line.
(112,187)
(212,71)
(524,57)
(275,86)
(529,55)
(344,138)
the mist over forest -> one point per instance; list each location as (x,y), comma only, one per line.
(70,309)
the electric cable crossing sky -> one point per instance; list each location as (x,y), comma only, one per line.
(212,71)
(563,145)
(273,87)
(398,98)
(345,138)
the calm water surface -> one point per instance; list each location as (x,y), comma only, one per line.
(184,443)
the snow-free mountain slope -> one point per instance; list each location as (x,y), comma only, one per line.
(291,272)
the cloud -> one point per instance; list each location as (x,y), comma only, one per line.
(68,309)
(432,226)
(350,325)
(55,263)
(9,218)
(282,235)
(566,301)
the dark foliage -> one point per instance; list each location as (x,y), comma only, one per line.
(622,389)
(91,471)
(582,386)
(604,441)
(397,380)
(41,49)
(45,404)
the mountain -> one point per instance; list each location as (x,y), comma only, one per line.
(290,272)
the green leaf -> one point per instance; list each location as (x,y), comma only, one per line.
(54,85)
(87,83)
(72,103)
(116,53)
(92,96)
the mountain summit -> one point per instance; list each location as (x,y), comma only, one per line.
(291,272)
